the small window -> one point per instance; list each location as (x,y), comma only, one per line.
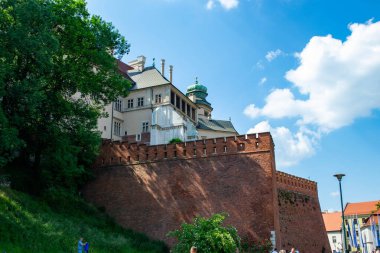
(116,128)
(225,149)
(138,137)
(140,102)
(145,127)
(130,103)
(195,152)
(183,106)
(334,239)
(204,151)
(105,128)
(214,150)
(158,99)
(193,113)
(177,102)
(118,105)
(206,114)
(172,98)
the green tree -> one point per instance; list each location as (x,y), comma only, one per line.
(175,140)
(57,71)
(208,235)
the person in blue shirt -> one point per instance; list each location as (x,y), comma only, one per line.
(86,246)
(80,245)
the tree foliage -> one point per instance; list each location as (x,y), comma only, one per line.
(57,71)
(208,235)
(175,140)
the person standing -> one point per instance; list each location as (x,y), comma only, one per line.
(80,245)
(86,247)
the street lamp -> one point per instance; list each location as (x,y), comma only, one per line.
(339,177)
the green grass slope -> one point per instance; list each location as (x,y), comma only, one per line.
(30,225)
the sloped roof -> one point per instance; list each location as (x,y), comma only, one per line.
(216,125)
(332,221)
(361,207)
(123,69)
(375,220)
(148,78)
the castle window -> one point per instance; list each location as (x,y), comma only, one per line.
(177,102)
(193,113)
(158,99)
(225,149)
(147,157)
(117,105)
(172,98)
(206,114)
(257,144)
(105,128)
(166,155)
(145,127)
(130,103)
(183,107)
(175,153)
(140,102)
(214,150)
(138,137)
(334,239)
(204,151)
(116,128)
(195,152)
(184,152)
(188,110)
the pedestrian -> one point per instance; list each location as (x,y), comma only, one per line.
(193,249)
(292,250)
(274,250)
(86,247)
(80,245)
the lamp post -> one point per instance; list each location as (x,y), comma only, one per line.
(339,177)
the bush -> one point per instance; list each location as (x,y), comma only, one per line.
(208,235)
(175,140)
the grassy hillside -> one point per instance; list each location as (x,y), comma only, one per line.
(30,225)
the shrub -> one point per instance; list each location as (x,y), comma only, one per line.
(175,140)
(208,235)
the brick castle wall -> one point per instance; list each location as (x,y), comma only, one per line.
(301,222)
(153,189)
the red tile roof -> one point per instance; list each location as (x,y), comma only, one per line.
(361,208)
(332,221)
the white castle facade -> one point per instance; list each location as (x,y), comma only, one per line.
(155,111)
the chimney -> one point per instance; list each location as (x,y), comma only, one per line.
(171,73)
(163,67)
(138,64)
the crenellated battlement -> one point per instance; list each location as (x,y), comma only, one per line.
(123,153)
(297,184)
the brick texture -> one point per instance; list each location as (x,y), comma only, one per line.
(153,189)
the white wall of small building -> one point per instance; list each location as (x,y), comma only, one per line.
(337,245)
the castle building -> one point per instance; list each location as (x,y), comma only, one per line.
(156,111)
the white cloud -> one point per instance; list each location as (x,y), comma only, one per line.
(290,148)
(263,80)
(334,75)
(210,5)
(226,4)
(252,111)
(340,82)
(229,4)
(271,55)
(334,194)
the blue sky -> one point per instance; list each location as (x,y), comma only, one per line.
(307,70)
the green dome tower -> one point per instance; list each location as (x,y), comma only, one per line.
(198,93)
